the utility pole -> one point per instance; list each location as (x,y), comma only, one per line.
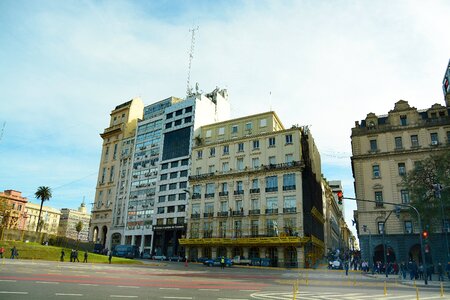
(191,56)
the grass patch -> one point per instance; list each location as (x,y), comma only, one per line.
(35,251)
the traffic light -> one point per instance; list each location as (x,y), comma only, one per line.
(425,235)
(340,195)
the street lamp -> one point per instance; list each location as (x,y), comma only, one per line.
(370,246)
(384,245)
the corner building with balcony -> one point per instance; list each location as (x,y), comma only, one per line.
(255,191)
(384,148)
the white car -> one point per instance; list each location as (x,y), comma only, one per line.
(159,257)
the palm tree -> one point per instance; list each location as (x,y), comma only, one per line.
(44,193)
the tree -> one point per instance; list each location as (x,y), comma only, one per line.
(78,228)
(421,182)
(44,193)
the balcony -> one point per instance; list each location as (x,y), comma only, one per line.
(196,196)
(272,189)
(223,194)
(271,211)
(289,187)
(239,192)
(237,213)
(254,191)
(195,216)
(208,214)
(289,210)
(253,212)
(222,214)
(209,195)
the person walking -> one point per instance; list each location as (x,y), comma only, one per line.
(62,255)
(109,256)
(75,256)
(2,250)
(186,261)
(222,262)
(13,252)
(440,271)
(85,257)
(447,269)
(71,255)
(346,266)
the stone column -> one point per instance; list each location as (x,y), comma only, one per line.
(133,239)
(213,252)
(301,256)
(229,252)
(245,251)
(200,252)
(142,242)
(280,256)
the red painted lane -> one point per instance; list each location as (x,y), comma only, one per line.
(119,281)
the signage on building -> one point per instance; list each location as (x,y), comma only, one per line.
(168,227)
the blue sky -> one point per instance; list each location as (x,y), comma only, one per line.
(64,65)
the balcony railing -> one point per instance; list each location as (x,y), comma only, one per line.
(272,189)
(196,196)
(195,216)
(209,195)
(254,191)
(289,209)
(239,192)
(222,214)
(271,211)
(254,212)
(208,214)
(289,187)
(222,194)
(237,213)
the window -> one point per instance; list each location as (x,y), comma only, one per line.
(404,195)
(288,139)
(373,146)
(199,154)
(172,186)
(178,112)
(234,129)
(198,170)
(288,159)
(188,109)
(211,169)
(238,205)
(226,150)
(255,204)
(182,196)
(414,141)
(222,229)
(188,119)
(408,227)
(398,143)
(401,169)
(254,228)
(106,152)
(240,164)
(161,210)
(103,175)
(239,186)
(208,133)
(272,142)
(434,139)
(378,199)
(183,184)
(168,125)
(178,122)
(248,126)
(223,206)
(255,163)
(238,229)
(288,182)
(210,190)
(174,164)
(169,116)
(271,183)
(185,162)
(161,199)
(289,202)
(164,166)
(172,197)
(376,171)
(240,147)
(225,166)
(162,187)
(255,183)
(272,228)
(224,187)
(212,151)
(380,227)
(170,209)
(111,174)
(173,175)
(163,177)
(181,208)
(184,173)
(159,221)
(448,137)
(209,207)
(403,120)
(196,208)
(115,151)
(263,123)
(221,130)
(255,144)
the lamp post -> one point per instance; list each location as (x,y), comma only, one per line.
(437,192)
(365,228)
(384,245)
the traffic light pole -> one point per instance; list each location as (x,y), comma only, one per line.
(384,245)
(422,251)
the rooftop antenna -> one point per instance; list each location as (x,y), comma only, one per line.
(191,56)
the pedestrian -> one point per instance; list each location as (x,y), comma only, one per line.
(75,256)
(430,271)
(72,255)
(186,261)
(2,250)
(403,270)
(421,270)
(109,256)
(13,252)
(16,253)
(62,255)
(85,257)
(222,262)
(346,266)
(447,269)
(440,271)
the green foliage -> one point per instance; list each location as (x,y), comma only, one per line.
(420,183)
(44,193)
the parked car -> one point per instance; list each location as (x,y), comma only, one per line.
(335,265)
(201,259)
(146,255)
(240,260)
(176,258)
(127,251)
(159,257)
(216,262)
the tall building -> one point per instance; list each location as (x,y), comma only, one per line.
(335,226)
(12,207)
(69,220)
(50,217)
(255,192)
(384,149)
(121,128)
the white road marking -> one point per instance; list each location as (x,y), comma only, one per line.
(175,289)
(215,290)
(122,296)
(47,282)
(249,290)
(169,297)
(61,294)
(7,292)
(232,299)
(88,284)
(128,286)
(8,280)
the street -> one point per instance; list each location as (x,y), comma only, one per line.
(21,279)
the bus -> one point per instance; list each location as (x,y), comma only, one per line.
(127,251)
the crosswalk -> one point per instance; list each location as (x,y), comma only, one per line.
(335,296)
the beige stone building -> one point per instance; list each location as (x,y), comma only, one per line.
(386,147)
(12,209)
(255,191)
(122,126)
(69,220)
(50,216)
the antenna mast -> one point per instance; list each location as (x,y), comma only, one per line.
(191,56)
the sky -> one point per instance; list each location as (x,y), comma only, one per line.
(65,65)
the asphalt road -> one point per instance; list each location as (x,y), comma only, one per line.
(21,279)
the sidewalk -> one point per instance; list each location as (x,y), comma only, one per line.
(419,282)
